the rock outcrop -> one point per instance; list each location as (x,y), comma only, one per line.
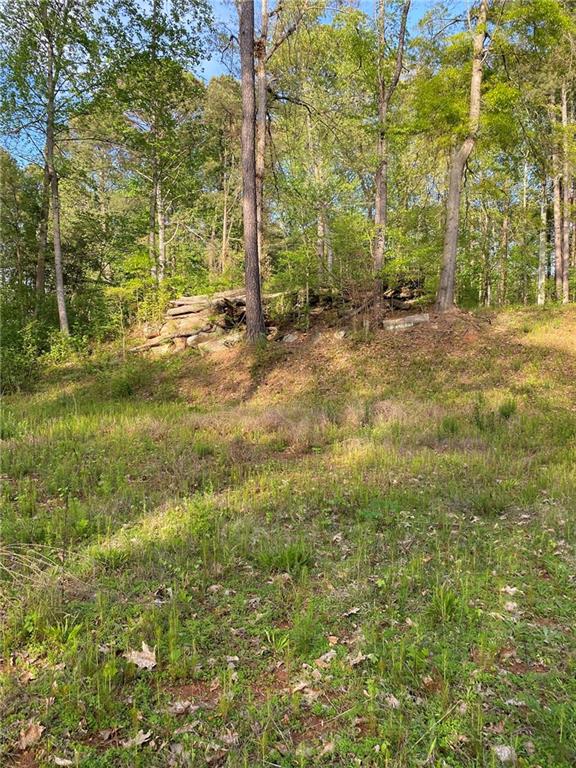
(198,321)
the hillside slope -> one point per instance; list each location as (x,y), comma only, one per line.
(340,551)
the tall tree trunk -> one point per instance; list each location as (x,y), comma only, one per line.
(42,238)
(503,285)
(224,246)
(255,327)
(319,205)
(152,254)
(55,193)
(261,51)
(161,233)
(385,93)
(329,252)
(320,241)
(566,186)
(446,289)
(542,255)
(573,247)
(486,287)
(557,210)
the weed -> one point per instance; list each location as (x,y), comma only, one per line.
(508,408)
(291,557)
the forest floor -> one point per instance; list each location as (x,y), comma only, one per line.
(336,552)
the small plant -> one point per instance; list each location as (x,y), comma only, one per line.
(10,427)
(508,408)
(483,418)
(449,427)
(306,635)
(489,501)
(111,559)
(293,557)
(444,603)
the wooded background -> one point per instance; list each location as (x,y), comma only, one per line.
(392,146)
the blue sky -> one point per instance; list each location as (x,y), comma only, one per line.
(225,13)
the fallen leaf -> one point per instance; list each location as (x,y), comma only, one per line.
(351,612)
(392,701)
(510,590)
(63,761)
(325,660)
(30,735)
(144,659)
(327,748)
(310,696)
(332,640)
(230,737)
(515,703)
(358,659)
(511,607)
(106,734)
(506,755)
(136,741)
(188,728)
(182,707)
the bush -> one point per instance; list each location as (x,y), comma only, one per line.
(18,355)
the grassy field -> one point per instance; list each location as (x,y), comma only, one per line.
(338,552)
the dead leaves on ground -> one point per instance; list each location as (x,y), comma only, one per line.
(144,659)
(30,735)
(136,741)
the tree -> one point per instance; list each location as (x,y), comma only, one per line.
(445,296)
(385,94)
(151,49)
(255,327)
(47,56)
(277,25)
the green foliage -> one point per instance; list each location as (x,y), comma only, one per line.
(290,557)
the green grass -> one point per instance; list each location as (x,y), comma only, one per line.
(371,563)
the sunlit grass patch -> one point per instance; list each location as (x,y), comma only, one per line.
(388,564)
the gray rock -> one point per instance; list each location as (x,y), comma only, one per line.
(220,344)
(405,322)
(290,338)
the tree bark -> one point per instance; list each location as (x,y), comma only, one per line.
(152,255)
(503,284)
(319,204)
(385,93)
(54,190)
(42,238)
(161,233)
(557,211)
(224,245)
(566,186)
(542,255)
(261,49)
(255,327)
(446,289)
